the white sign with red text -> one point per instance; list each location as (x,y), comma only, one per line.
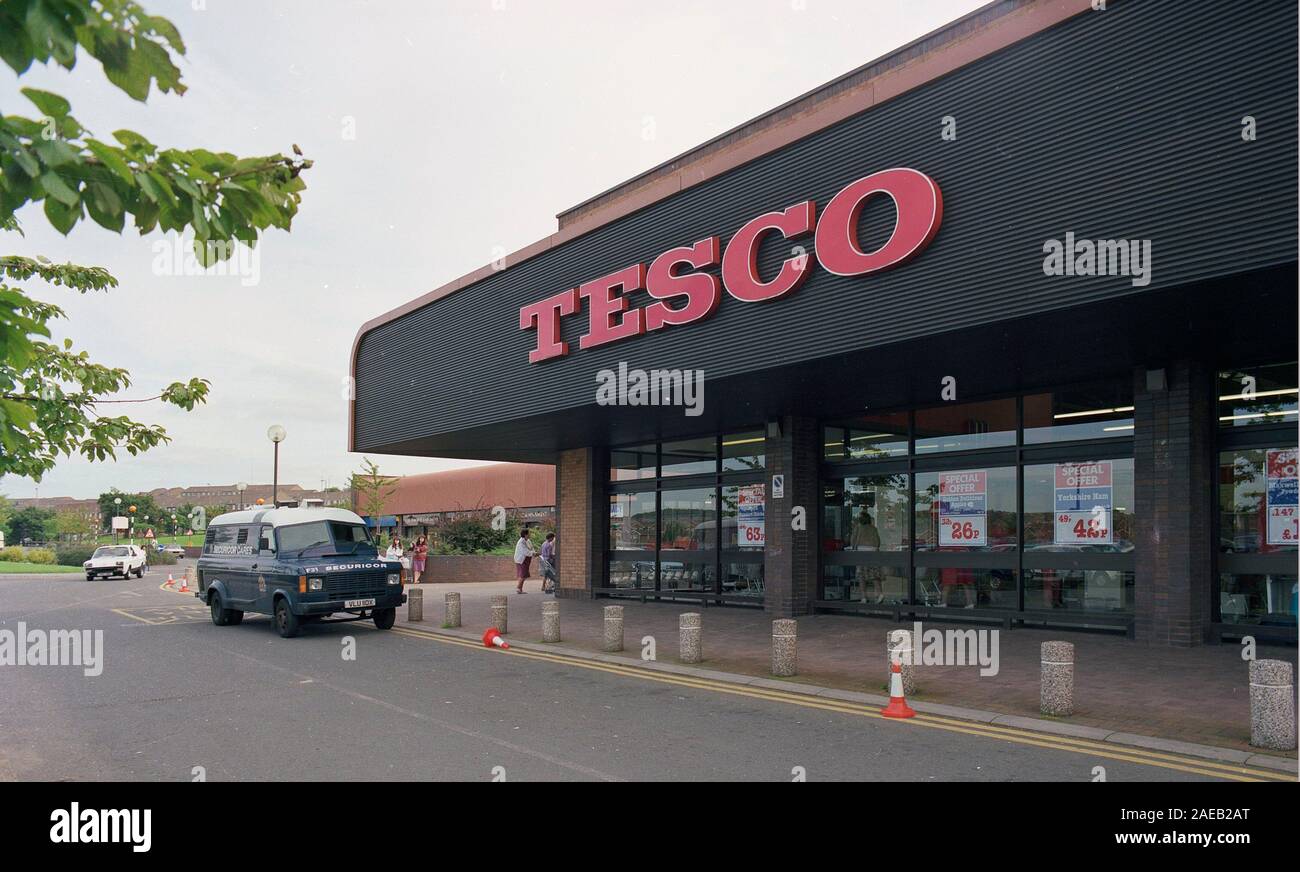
(751,529)
(1282,497)
(963,508)
(1084,503)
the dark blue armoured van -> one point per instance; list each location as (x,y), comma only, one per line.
(299,565)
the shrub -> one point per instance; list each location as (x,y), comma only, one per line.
(160,558)
(19,554)
(471,535)
(74,555)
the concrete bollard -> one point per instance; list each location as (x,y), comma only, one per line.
(898,646)
(415,605)
(1056,693)
(498,608)
(785,638)
(613,629)
(691,647)
(1272,712)
(451,609)
(550,622)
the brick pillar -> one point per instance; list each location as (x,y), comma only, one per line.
(1173,471)
(790,559)
(583,521)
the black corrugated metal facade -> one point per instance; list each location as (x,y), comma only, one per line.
(1116,124)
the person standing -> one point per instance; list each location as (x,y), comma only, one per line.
(549,578)
(395,552)
(524,555)
(419,553)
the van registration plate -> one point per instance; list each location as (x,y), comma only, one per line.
(358,603)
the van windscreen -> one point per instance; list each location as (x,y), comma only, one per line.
(343,536)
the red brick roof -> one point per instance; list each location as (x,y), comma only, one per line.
(513,485)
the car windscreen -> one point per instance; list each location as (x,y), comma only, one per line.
(120,551)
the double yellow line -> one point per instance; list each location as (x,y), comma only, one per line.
(1164,760)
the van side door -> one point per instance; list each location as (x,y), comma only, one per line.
(264,573)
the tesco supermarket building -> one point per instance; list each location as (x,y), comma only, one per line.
(1001,326)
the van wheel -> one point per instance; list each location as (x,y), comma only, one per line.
(221,616)
(384,618)
(286,622)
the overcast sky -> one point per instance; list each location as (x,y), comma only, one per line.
(439,131)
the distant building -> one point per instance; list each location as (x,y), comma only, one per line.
(228,495)
(525,490)
(88,509)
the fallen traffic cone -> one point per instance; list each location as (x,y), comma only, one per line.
(185,584)
(491,638)
(898,707)
(171,582)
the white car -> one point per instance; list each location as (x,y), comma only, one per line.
(110,560)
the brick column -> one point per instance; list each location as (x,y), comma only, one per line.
(583,521)
(790,559)
(1173,471)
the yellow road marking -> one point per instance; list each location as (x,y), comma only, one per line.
(1144,757)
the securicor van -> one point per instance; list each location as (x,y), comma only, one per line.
(298,565)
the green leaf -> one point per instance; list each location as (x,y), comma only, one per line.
(62,217)
(112,159)
(49,104)
(58,189)
(104,206)
(130,138)
(56,153)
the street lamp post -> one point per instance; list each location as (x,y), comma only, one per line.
(117,507)
(276,434)
(240,488)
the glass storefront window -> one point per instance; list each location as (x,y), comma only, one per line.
(967,426)
(1258,395)
(744,451)
(1096,412)
(632,574)
(1087,590)
(688,519)
(872,437)
(1258,599)
(1081,507)
(690,457)
(744,524)
(833,440)
(866,513)
(743,579)
(865,584)
(686,575)
(1249,521)
(954,587)
(967,510)
(632,521)
(633,463)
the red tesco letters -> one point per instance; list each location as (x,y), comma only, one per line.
(682,295)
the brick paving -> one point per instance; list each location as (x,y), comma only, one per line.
(1192,694)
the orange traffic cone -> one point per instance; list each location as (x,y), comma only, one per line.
(185,583)
(898,707)
(171,582)
(491,638)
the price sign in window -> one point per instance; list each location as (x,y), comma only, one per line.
(1282,497)
(1084,503)
(963,508)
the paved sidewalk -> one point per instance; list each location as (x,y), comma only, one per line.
(1193,695)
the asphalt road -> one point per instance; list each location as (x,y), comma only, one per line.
(178,693)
